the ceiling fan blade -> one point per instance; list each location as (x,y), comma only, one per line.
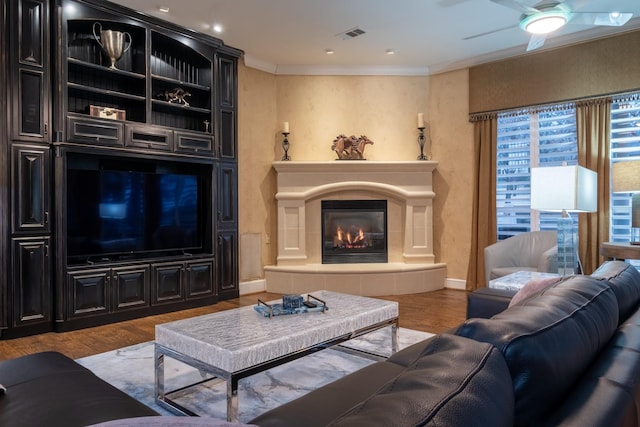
(536,41)
(450,3)
(489,32)
(514,4)
(601,18)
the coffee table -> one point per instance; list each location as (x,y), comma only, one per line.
(234,344)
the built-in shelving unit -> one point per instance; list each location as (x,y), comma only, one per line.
(167,107)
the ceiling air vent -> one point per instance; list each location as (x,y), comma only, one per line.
(352,33)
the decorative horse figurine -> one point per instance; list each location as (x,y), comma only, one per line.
(350,148)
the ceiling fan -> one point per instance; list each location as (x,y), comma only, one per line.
(548,16)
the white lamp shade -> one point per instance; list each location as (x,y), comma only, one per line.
(558,188)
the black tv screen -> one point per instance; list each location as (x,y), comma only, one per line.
(132,212)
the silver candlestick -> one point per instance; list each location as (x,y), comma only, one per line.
(285,146)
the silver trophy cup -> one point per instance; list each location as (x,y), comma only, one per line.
(112,43)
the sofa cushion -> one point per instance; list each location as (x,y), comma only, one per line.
(608,394)
(549,340)
(624,279)
(452,381)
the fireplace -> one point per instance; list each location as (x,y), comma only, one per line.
(407,188)
(354,231)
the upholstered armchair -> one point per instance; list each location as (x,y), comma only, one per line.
(533,251)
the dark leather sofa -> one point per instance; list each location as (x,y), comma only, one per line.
(569,356)
(50,389)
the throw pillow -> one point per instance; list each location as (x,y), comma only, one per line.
(533,287)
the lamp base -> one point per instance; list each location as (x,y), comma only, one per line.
(567,246)
(635,219)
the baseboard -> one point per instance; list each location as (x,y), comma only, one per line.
(455,284)
(260,285)
(253,286)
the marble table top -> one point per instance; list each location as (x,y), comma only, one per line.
(516,281)
(241,338)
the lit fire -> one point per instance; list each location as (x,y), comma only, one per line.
(349,240)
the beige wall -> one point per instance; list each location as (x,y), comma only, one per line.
(382,107)
(257,180)
(385,108)
(318,108)
(452,136)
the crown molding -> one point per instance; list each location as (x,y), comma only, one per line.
(332,70)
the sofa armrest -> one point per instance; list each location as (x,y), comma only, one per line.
(548,262)
(487,302)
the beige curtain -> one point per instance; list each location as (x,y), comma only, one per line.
(593,121)
(483,230)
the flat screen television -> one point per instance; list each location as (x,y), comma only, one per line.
(119,208)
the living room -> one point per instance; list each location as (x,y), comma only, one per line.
(384,107)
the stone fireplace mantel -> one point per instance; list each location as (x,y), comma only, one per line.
(406,185)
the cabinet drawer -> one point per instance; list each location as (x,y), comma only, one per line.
(194,143)
(93,131)
(149,137)
(89,291)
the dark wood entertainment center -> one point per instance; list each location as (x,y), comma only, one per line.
(169,102)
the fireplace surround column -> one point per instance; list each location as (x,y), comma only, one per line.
(291,232)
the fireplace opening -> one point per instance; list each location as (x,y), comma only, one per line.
(354,231)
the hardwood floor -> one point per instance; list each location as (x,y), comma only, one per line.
(430,312)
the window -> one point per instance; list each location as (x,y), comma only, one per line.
(625,146)
(529,139)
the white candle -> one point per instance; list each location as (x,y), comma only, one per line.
(285,127)
(420,120)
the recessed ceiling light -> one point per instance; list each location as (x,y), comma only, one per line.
(164,9)
(329,51)
(390,52)
(217,28)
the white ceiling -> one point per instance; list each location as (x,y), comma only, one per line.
(428,36)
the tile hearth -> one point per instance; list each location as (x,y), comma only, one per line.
(407,187)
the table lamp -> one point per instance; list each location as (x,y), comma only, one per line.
(565,189)
(626,179)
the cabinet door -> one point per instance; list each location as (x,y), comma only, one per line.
(32,298)
(89,292)
(200,279)
(167,282)
(153,138)
(97,132)
(227,257)
(227,91)
(30,188)
(194,143)
(227,195)
(131,287)
(30,82)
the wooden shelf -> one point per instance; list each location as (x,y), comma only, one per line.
(180,106)
(107,92)
(102,68)
(180,83)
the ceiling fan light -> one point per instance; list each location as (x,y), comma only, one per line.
(542,24)
(546,21)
